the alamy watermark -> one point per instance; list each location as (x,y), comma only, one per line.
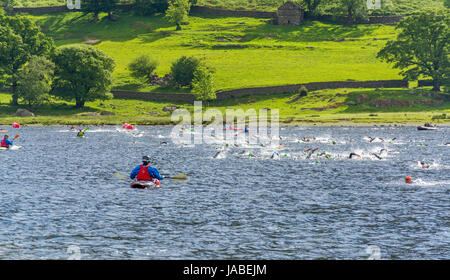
(236,126)
(74,4)
(374,4)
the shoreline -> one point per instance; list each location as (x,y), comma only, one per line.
(293,124)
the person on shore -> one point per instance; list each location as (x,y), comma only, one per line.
(145,172)
(6,143)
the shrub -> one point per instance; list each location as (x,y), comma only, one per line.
(303,91)
(142,67)
(183,70)
(203,84)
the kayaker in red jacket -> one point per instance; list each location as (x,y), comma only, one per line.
(145,172)
(5,143)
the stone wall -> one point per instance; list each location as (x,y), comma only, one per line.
(311,86)
(153,96)
(59,9)
(388,20)
(425,83)
(231,13)
(223,95)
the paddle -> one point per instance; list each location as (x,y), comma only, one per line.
(15,137)
(179,177)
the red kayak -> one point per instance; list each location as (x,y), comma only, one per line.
(145,184)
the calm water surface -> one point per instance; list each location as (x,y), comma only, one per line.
(62,197)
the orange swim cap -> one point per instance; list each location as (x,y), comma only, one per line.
(408,179)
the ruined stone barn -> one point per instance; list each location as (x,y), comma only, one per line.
(290,13)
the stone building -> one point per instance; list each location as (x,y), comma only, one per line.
(290,13)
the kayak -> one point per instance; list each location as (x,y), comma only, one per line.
(143,185)
(426,128)
(12,148)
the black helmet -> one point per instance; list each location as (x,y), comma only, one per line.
(145,158)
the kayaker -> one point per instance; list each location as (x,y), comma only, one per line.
(80,133)
(145,172)
(424,165)
(6,143)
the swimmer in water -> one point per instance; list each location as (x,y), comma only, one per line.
(353,154)
(377,156)
(217,154)
(311,152)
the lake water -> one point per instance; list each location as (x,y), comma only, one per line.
(62,197)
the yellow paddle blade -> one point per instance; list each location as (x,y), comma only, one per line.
(180,177)
(17,136)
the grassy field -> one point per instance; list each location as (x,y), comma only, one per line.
(326,106)
(399,6)
(245,52)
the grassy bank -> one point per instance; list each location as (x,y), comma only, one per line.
(245,52)
(351,106)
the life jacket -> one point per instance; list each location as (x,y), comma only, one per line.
(4,145)
(143,174)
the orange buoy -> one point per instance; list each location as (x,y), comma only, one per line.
(408,180)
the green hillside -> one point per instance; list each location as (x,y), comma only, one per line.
(245,52)
(399,6)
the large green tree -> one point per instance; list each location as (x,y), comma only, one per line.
(83,73)
(422,47)
(447,3)
(20,38)
(34,80)
(178,11)
(98,6)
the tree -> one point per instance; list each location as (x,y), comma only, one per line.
(20,38)
(150,7)
(8,5)
(422,47)
(203,84)
(143,67)
(312,5)
(355,9)
(34,80)
(98,6)
(178,11)
(183,70)
(447,3)
(83,73)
